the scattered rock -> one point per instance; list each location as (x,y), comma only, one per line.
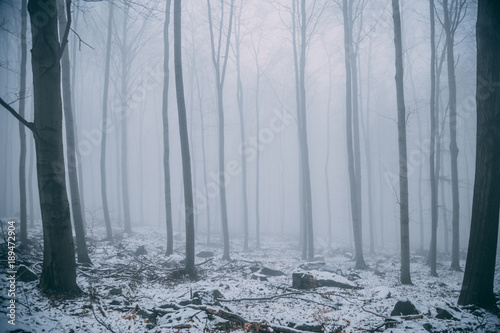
(308,281)
(303,281)
(444,314)
(404,308)
(259,277)
(115,291)
(208,297)
(141,250)
(149,316)
(428,327)
(205,254)
(271,272)
(24,274)
(254,269)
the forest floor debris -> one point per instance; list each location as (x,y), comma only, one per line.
(133,287)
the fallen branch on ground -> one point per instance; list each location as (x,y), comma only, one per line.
(240,321)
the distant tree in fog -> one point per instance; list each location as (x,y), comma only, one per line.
(220,75)
(453,15)
(105,96)
(166,140)
(183,131)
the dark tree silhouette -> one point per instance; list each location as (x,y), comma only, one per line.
(166,140)
(22,133)
(477,287)
(183,131)
(403,163)
(76,208)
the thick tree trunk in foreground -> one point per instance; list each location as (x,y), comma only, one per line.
(477,287)
(166,140)
(403,166)
(76,208)
(186,160)
(59,268)
(22,133)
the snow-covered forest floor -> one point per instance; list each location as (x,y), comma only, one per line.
(133,287)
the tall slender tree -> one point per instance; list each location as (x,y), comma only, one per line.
(220,75)
(477,286)
(125,75)
(239,98)
(351,96)
(450,25)
(403,162)
(166,140)
(105,96)
(76,208)
(183,131)
(432,163)
(300,38)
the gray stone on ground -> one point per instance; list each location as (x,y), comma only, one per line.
(404,308)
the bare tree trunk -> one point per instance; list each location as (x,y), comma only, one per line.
(257,160)
(186,160)
(452,87)
(31,163)
(353,184)
(327,157)
(73,85)
(305,156)
(104,195)
(76,208)
(302,202)
(124,106)
(22,134)
(355,136)
(220,74)
(444,212)
(403,167)
(478,283)
(432,164)
(166,140)
(239,98)
(366,135)
(203,149)
(59,268)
